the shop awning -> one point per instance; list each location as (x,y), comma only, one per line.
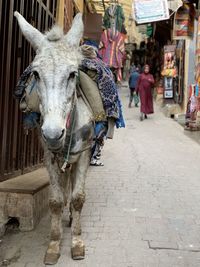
(174,4)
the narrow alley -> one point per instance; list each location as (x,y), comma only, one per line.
(61,65)
(142,207)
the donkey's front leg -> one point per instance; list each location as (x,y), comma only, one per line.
(79,171)
(56,204)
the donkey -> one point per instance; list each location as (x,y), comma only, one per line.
(66,126)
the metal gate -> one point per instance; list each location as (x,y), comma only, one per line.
(19,152)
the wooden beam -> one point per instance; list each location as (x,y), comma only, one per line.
(60,13)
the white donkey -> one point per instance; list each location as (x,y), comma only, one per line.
(66,126)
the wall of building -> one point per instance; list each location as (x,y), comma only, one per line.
(66,9)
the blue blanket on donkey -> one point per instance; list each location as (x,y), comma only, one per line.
(107,88)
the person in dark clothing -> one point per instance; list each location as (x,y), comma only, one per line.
(134,76)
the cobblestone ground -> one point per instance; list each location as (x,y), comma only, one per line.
(142,207)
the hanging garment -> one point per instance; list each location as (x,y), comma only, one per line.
(198,104)
(111,49)
(193,104)
(187,115)
(191,111)
(114,18)
(196,90)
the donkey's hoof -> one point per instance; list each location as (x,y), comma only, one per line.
(51,258)
(53,253)
(78,249)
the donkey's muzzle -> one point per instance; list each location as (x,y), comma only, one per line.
(53,138)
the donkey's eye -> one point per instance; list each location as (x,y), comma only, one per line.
(36,74)
(72,75)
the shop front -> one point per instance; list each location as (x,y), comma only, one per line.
(169,50)
(173,73)
(178,56)
(192,118)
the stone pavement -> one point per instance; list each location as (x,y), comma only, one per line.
(142,207)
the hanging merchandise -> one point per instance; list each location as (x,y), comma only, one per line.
(169,71)
(198,53)
(180,63)
(114,17)
(149,31)
(192,117)
(174,68)
(193,105)
(169,61)
(111,49)
(184,22)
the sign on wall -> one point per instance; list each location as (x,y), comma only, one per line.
(146,11)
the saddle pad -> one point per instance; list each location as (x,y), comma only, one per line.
(30,100)
(91,92)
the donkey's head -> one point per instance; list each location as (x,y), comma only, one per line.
(55,68)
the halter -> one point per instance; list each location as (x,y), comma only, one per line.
(70,124)
(70,127)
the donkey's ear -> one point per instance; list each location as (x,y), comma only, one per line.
(34,36)
(75,34)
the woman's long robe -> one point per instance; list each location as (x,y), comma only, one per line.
(144,88)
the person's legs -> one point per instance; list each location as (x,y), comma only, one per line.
(131,98)
(136,99)
(95,160)
(101,129)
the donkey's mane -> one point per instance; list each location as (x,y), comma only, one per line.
(55,34)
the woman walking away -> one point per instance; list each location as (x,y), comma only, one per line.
(144,88)
(134,76)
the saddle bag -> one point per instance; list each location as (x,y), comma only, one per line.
(30,100)
(92,94)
